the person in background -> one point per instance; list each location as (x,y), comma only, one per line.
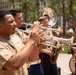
(13,53)
(72,32)
(48,67)
(72,49)
(35,67)
(69,34)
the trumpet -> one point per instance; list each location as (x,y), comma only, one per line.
(27,24)
(56,50)
(67,42)
(45,28)
(70,40)
(48,39)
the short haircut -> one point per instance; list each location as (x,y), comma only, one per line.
(41,18)
(46,15)
(15,11)
(3,13)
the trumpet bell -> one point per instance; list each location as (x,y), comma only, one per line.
(67,40)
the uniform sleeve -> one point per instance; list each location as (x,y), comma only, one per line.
(24,35)
(5,55)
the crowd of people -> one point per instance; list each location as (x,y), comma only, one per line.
(25,54)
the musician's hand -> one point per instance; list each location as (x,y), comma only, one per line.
(37,33)
(59,49)
(47,51)
(74,49)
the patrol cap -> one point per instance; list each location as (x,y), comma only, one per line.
(41,18)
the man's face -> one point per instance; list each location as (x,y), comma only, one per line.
(8,25)
(18,19)
(45,22)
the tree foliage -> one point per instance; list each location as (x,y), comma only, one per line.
(30,8)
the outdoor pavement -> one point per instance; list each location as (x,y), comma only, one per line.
(63,63)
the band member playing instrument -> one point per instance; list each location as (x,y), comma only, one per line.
(49,64)
(72,32)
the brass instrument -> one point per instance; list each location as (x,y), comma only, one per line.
(51,13)
(58,40)
(48,39)
(30,25)
(56,50)
(72,61)
(72,65)
(52,21)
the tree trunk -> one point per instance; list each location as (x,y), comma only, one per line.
(64,21)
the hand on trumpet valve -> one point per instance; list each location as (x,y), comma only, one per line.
(37,33)
(48,52)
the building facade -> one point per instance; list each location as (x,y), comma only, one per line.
(9,5)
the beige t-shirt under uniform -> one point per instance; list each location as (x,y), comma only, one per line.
(7,50)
